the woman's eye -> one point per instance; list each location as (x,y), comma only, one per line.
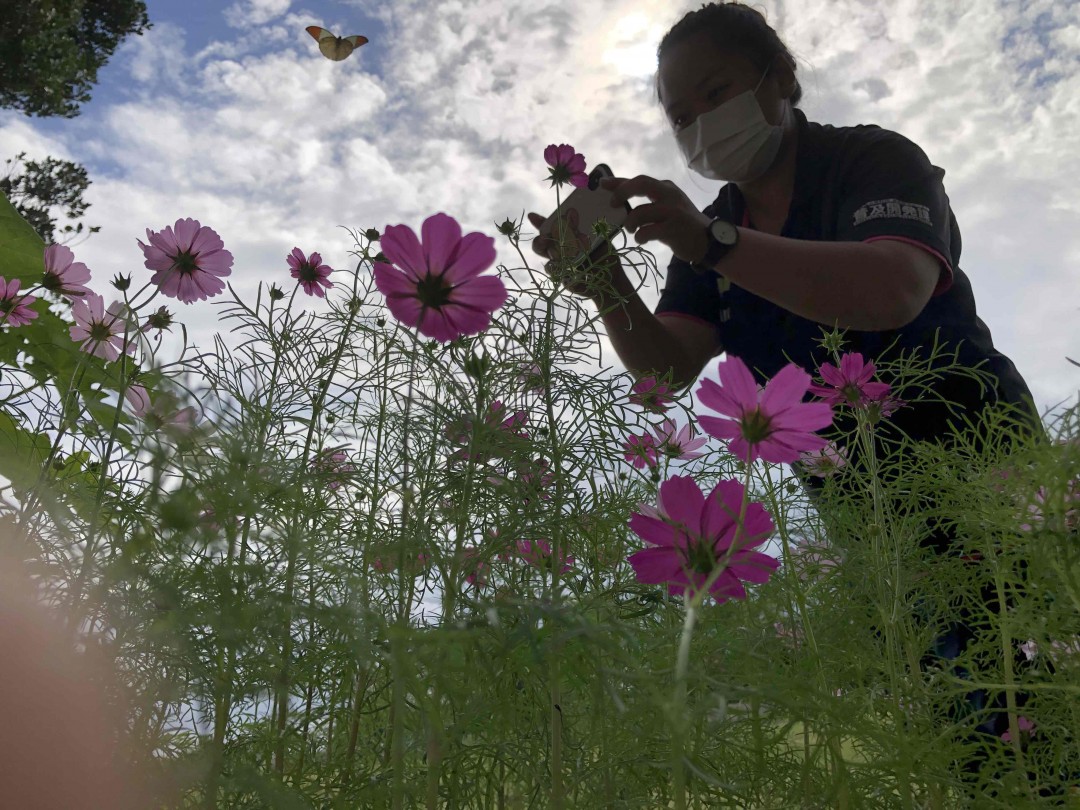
(716,91)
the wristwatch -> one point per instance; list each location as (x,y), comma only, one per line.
(723,236)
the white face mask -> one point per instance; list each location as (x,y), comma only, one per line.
(732,142)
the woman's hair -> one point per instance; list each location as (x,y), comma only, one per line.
(735,27)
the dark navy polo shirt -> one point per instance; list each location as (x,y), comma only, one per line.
(857,184)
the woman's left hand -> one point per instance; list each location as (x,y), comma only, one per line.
(669,217)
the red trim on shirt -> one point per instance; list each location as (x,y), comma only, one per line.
(945,279)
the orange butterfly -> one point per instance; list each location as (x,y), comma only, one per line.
(333,47)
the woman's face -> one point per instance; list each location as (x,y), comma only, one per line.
(696,76)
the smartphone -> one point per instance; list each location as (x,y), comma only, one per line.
(592,204)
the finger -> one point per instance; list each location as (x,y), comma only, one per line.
(653,232)
(640,186)
(535,220)
(645,214)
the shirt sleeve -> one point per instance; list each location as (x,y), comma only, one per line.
(892,191)
(692,295)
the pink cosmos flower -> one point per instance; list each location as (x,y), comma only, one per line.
(826,462)
(64,275)
(436,285)
(100,332)
(810,558)
(139,399)
(189,260)
(310,271)
(495,436)
(640,450)
(567,166)
(1025,726)
(13,309)
(161,414)
(1068,502)
(850,384)
(537,477)
(335,465)
(530,377)
(678,445)
(538,554)
(773,424)
(1030,649)
(692,533)
(475,566)
(651,394)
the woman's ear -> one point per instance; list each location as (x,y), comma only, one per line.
(784,72)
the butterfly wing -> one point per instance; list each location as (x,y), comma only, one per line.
(335,47)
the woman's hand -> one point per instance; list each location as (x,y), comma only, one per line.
(593,277)
(669,217)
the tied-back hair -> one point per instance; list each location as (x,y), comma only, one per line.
(735,27)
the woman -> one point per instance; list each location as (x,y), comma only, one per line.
(817,225)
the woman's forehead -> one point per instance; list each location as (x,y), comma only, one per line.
(694,60)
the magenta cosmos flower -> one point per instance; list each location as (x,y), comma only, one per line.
(189,259)
(651,394)
(100,332)
(538,554)
(435,283)
(64,275)
(850,384)
(772,424)
(679,444)
(310,272)
(691,533)
(640,450)
(13,309)
(567,166)
(495,435)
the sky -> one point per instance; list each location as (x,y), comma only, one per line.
(227,112)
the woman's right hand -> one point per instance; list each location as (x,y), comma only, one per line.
(593,278)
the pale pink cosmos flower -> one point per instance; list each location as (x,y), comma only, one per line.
(538,554)
(189,260)
(567,166)
(773,423)
(531,377)
(139,399)
(640,450)
(1025,726)
(826,462)
(680,444)
(335,465)
(810,558)
(651,394)
(100,332)
(64,275)
(693,533)
(13,309)
(436,284)
(1030,649)
(162,413)
(1069,501)
(850,384)
(310,272)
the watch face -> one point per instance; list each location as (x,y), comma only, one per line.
(724,232)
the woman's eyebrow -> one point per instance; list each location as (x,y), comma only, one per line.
(669,107)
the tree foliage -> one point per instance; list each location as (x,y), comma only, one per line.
(51,50)
(42,187)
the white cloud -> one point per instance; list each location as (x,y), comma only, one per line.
(255,12)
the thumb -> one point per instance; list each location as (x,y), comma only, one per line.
(536,220)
